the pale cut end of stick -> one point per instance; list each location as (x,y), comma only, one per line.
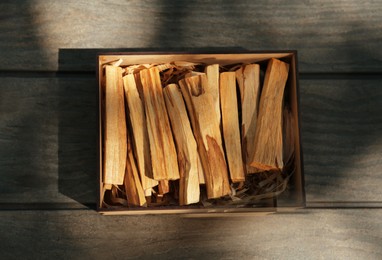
(189,191)
(248,79)
(206,128)
(115,149)
(230,123)
(268,139)
(162,148)
(212,73)
(148,193)
(107,186)
(140,142)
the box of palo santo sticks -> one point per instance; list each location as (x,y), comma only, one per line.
(199,133)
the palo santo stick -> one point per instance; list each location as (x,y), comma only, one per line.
(230,123)
(207,133)
(248,78)
(140,136)
(162,148)
(201,171)
(115,149)
(188,157)
(212,73)
(268,148)
(163,187)
(134,190)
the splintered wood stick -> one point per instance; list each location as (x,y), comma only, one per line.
(230,123)
(207,133)
(134,190)
(188,157)
(140,142)
(248,79)
(162,148)
(212,73)
(268,148)
(115,150)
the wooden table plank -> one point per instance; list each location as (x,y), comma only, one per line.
(342,142)
(48,140)
(318,234)
(331,36)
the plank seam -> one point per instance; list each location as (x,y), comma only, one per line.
(92,74)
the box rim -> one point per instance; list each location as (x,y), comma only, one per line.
(294,53)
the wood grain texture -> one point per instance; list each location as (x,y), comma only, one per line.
(162,147)
(341,136)
(188,157)
(134,191)
(140,142)
(212,73)
(319,234)
(114,128)
(48,140)
(230,125)
(330,35)
(248,81)
(201,109)
(268,145)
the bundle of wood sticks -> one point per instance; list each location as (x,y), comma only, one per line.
(185,133)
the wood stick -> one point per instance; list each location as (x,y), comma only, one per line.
(212,72)
(248,78)
(230,123)
(162,148)
(164,187)
(140,142)
(206,128)
(115,150)
(201,171)
(188,157)
(268,150)
(134,190)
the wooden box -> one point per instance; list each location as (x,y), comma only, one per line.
(294,195)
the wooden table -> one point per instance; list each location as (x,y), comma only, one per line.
(48,94)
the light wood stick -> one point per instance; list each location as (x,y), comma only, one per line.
(188,157)
(134,190)
(230,123)
(115,150)
(205,124)
(202,180)
(268,148)
(140,142)
(248,79)
(162,148)
(212,72)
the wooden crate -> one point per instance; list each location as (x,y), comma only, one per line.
(292,198)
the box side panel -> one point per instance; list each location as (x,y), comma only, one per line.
(296,197)
(222,59)
(100,134)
